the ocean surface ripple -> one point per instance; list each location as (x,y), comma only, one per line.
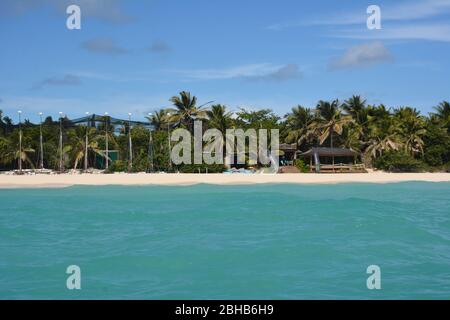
(227,242)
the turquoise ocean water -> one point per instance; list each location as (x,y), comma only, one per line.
(224,242)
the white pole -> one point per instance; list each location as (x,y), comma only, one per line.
(130,159)
(20,141)
(41,144)
(106,142)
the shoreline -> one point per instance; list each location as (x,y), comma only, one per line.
(185,179)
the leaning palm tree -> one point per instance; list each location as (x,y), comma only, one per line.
(329,121)
(381,144)
(24,156)
(186,110)
(10,152)
(384,136)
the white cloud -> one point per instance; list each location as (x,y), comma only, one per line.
(400,11)
(284,73)
(431,32)
(250,70)
(362,56)
(394,12)
(416,10)
(261,71)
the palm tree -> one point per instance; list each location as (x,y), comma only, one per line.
(443,110)
(412,129)
(2,124)
(379,145)
(186,111)
(329,121)
(53,154)
(24,156)
(443,114)
(383,134)
(77,143)
(297,124)
(8,125)
(351,137)
(10,152)
(356,107)
(219,118)
(158,120)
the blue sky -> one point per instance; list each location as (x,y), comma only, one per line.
(132,56)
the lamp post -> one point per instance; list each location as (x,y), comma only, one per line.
(168,137)
(86,145)
(150,146)
(130,159)
(61,160)
(20,141)
(106,142)
(41,144)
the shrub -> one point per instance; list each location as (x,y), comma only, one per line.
(117,166)
(435,155)
(398,161)
(446,167)
(301,166)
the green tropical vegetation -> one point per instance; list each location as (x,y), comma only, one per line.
(392,139)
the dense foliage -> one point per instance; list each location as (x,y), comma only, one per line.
(399,139)
(399,161)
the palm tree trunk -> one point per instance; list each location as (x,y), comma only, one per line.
(41,146)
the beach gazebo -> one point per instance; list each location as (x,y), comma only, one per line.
(333,160)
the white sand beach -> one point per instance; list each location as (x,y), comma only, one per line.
(65,180)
